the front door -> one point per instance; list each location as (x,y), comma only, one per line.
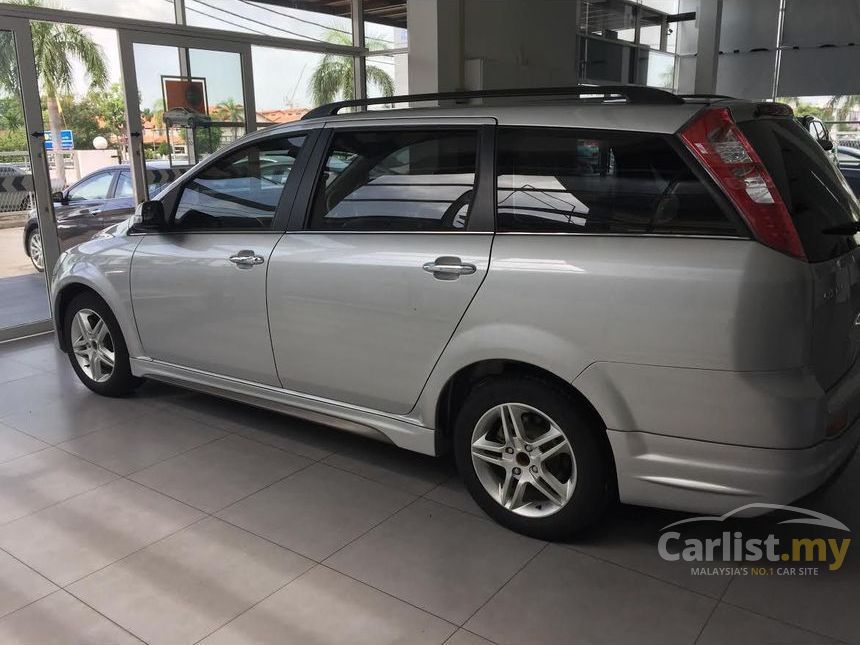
(199,289)
(363,299)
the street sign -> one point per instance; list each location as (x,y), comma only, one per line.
(67,140)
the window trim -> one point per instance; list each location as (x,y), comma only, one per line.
(288,194)
(726,208)
(482,214)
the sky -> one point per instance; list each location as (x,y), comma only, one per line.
(281,77)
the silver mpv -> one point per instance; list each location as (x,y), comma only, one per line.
(630,295)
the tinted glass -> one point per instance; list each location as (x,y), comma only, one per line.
(239,191)
(124,188)
(94,188)
(812,188)
(396,180)
(577,182)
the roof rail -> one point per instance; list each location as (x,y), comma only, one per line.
(704,96)
(633,94)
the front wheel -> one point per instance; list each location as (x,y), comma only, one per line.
(532,457)
(34,248)
(97,348)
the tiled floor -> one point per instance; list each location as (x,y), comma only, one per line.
(172,517)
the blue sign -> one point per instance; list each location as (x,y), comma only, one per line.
(67,141)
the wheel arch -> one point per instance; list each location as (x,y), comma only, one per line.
(456,388)
(61,303)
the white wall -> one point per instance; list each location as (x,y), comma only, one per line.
(87,161)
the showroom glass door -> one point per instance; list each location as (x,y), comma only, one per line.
(188,97)
(28,241)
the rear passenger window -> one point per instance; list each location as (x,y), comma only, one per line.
(396,180)
(571,181)
(241,190)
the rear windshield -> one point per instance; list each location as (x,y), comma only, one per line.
(812,188)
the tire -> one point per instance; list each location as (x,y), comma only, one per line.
(96,346)
(549,416)
(35,249)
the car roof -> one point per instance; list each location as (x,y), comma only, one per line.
(548,112)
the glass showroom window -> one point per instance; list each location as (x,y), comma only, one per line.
(155,10)
(297,19)
(628,42)
(288,83)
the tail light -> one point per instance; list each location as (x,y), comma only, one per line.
(731,160)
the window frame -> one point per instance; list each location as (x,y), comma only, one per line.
(288,195)
(483,209)
(725,206)
(113,177)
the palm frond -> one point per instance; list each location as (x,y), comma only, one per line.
(381,79)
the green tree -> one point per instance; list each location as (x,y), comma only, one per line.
(98,113)
(229,110)
(56,47)
(844,106)
(334,77)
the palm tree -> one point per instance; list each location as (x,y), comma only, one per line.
(56,46)
(229,110)
(334,77)
(844,106)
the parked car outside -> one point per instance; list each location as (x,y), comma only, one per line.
(580,299)
(849,163)
(96,201)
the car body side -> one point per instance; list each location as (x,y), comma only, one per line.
(695,355)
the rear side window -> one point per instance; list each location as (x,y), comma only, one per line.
(812,188)
(571,181)
(396,180)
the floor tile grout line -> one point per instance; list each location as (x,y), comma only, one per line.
(259,602)
(66,499)
(379,523)
(588,554)
(138,550)
(9,461)
(37,572)
(390,595)
(503,585)
(106,617)
(706,621)
(780,620)
(375,481)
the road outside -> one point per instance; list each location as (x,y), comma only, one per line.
(13,260)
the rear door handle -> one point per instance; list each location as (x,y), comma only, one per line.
(449,267)
(246,259)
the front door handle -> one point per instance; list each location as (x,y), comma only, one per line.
(449,267)
(246,259)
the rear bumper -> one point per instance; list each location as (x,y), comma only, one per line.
(705,477)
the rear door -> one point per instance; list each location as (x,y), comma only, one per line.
(79,216)
(395,240)
(824,210)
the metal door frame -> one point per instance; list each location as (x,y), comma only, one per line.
(32,104)
(127,38)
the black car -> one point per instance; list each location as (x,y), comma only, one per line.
(101,199)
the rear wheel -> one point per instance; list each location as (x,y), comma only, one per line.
(96,347)
(532,458)
(34,248)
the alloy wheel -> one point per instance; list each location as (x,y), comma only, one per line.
(523,460)
(35,247)
(92,345)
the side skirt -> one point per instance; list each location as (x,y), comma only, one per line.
(399,430)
